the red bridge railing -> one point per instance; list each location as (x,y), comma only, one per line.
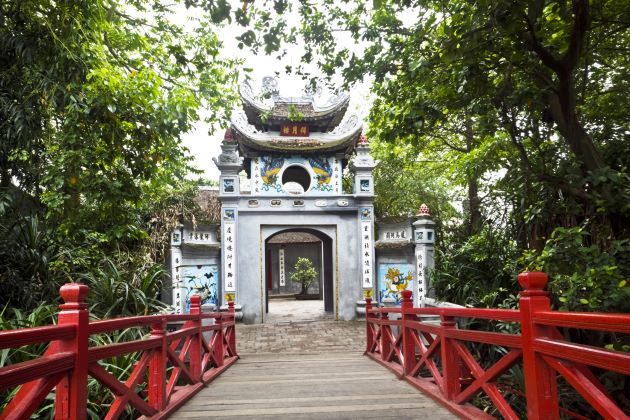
(171,367)
(441,360)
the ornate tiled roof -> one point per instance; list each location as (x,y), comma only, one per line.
(266,109)
(342,139)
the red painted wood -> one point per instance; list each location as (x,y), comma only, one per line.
(26,336)
(157,368)
(450,362)
(22,373)
(591,393)
(68,361)
(409,345)
(118,388)
(30,397)
(131,383)
(195,341)
(385,342)
(543,350)
(219,350)
(111,350)
(540,379)
(584,320)
(232,331)
(605,359)
(71,392)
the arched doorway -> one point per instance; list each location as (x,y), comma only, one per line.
(282,249)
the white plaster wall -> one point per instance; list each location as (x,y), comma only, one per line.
(255,226)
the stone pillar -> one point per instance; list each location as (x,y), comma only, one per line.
(364,191)
(177,283)
(230,164)
(424,238)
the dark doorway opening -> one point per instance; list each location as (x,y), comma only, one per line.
(293,243)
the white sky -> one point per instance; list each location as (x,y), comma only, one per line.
(204,146)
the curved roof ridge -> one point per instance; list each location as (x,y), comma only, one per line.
(333,104)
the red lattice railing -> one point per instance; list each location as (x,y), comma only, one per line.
(451,365)
(170,369)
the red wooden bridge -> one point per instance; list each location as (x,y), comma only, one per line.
(446,360)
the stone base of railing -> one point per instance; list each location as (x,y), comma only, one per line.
(238,311)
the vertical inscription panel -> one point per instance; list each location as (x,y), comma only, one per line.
(229,256)
(367,269)
(283,280)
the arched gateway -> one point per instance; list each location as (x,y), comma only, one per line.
(294,151)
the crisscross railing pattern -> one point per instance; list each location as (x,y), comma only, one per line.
(446,362)
(171,366)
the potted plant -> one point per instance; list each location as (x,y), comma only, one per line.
(304,273)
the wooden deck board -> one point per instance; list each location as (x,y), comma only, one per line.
(309,386)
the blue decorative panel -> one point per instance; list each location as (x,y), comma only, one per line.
(325,173)
(393,278)
(201,279)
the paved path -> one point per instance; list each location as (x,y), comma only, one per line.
(310,386)
(301,337)
(308,370)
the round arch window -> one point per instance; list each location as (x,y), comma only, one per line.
(296,180)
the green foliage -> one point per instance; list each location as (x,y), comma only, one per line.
(294,113)
(304,273)
(585,276)
(125,289)
(94,99)
(26,253)
(477,270)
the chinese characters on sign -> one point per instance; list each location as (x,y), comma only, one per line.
(256,178)
(178,285)
(337,176)
(229,264)
(420,263)
(283,281)
(294,129)
(366,253)
(399,234)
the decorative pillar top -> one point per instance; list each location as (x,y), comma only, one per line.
(229,160)
(74,296)
(424,210)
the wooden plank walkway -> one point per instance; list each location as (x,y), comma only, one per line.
(329,386)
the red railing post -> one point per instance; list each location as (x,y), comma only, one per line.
(232,336)
(71,392)
(219,351)
(409,347)
(385,344)
(157,368)
(195,340)
(451,368)
(369,336)
(540,379)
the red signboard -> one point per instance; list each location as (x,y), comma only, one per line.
(294,130)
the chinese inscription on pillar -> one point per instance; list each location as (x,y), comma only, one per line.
(420,265)
(256,178)
(283,280)
(337,176)
(178,291)
(367,247)
(229,246)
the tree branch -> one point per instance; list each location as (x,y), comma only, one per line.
(580,28)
